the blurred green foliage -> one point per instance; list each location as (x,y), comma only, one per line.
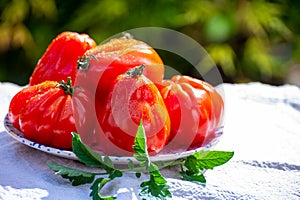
(254,40)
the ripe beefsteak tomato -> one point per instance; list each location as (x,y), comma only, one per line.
(100,66)
(133,98)
(195,110)
(60,59)
(45,114)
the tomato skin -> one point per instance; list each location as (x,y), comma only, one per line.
(195,110)
(133,99)
(60,58)
(109,60)
(45,114)
(98,70)
(19,100)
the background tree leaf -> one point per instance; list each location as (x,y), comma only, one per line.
(27,27)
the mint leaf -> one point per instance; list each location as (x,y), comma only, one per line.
(198,162)
(208,159)
(94,159)
(156,176)
(76,177)
(90,157)
(84,153)
(140,143)
(115,174)
(130,165)
(108,162)
(156,187)
(97,186)
(140,146)
(193,176)
(138,174)
(100,183)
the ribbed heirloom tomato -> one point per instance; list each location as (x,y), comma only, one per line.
(99,70)
(195,110)
(60,59)
(45,114)
(101,65)
(133,98)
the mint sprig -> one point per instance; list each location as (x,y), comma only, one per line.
(156,187)
(192,168)
(92,159)
(200,161)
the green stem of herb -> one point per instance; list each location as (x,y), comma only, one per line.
(103,173)
(181,167)
(142,169)
(163,165)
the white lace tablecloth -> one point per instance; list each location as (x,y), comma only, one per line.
(262,127)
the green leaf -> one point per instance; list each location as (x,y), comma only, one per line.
(115,174)
(100,183)
(130,165)
(76,177)
(156,187)
(94,159)
(108,162)
(138,174)
(140,146)
(193,177)
(203,160)
(85,154)
(96,188)
(158,179)
(207,159)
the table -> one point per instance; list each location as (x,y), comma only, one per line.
(262,127)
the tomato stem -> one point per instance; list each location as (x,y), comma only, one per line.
(66,86)
(136,71)
(127,36)
(84,61)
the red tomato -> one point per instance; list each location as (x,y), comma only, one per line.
(60,59)
(44,113)
(133,98)
(20,99)
(195,110)
(101,65)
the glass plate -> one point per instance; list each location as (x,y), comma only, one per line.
(19,136)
